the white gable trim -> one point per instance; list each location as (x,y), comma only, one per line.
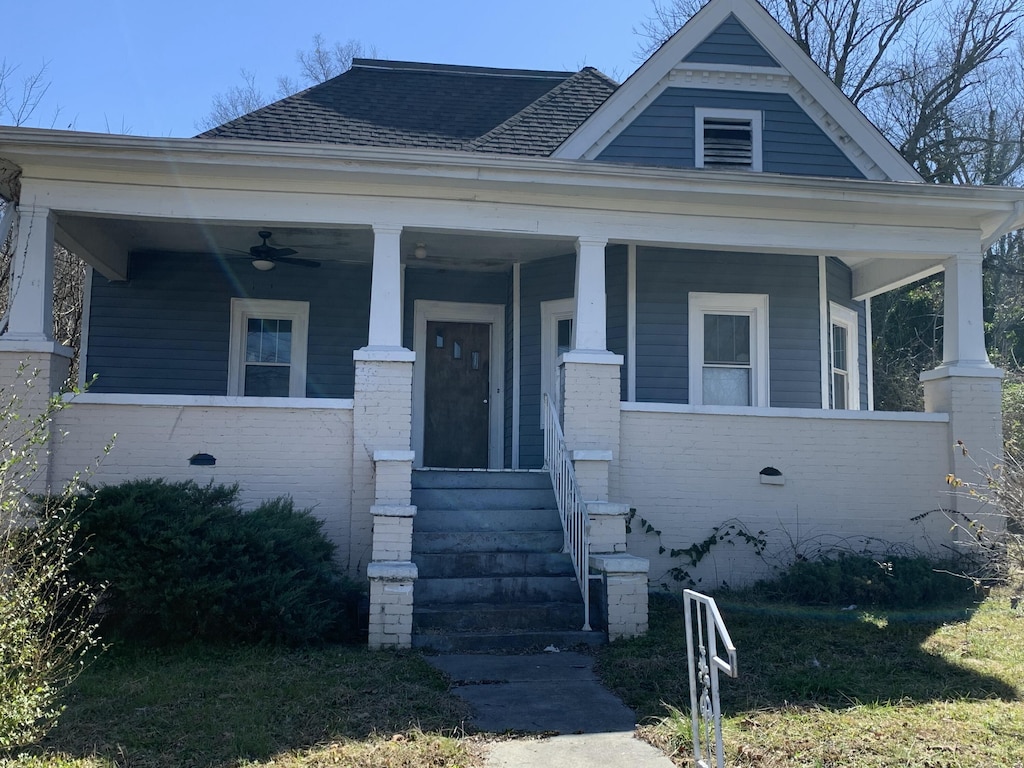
(653,76)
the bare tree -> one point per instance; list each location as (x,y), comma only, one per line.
(317,64)
(19,100)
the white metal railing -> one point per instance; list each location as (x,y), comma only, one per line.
(704,666)
(571,508)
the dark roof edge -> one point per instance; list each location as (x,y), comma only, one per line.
(415,66)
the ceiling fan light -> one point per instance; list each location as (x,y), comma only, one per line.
(263,265)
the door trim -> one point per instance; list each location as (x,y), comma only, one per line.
(459,312)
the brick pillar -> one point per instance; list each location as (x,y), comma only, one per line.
(622,598)
(391,585)
(590,416)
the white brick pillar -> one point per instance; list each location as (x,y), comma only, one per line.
(391,585)
(607,527)
(623,597)
(966,386)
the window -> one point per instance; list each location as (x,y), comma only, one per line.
(556,340)
(728,139)
(843,353)
(267,357)
(728,349)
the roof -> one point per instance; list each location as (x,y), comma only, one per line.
(433,106)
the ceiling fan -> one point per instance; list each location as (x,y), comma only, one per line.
(265,256)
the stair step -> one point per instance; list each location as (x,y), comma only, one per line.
(525,640)
(487,541)
(439,478)
(484,498)
(452,565)
(503,590)
(435,520)
(487,617)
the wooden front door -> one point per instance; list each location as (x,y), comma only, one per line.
(456,391)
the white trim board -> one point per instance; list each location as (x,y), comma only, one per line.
(459,312)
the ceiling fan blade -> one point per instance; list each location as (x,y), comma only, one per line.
(296,262)
(281,252)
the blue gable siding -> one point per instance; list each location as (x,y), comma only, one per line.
(731,43)
(839,280)
(663,134)
(665,278)
(166,330)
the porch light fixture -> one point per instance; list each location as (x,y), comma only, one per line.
(420,252)
(263,265)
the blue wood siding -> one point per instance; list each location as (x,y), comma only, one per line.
(665,277)
(450,285)
(663,134)
(731,43)
(839,282)
(617,290)
(166,330)
(544,280)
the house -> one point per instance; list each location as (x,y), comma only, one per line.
(400,267)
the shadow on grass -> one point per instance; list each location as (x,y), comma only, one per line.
(206,706)
(803,657)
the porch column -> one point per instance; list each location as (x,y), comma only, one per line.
(590,377)
(967,386)
(382,443)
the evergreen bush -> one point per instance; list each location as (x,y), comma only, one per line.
(183,561)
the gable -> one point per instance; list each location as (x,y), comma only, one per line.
(737,54)
(665,133)
(731,43)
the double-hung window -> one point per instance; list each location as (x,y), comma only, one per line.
(728,139)
(267,357)
(843,358)
(728,342)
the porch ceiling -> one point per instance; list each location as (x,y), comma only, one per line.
(445,249)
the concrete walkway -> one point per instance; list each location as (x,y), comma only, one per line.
(555,696)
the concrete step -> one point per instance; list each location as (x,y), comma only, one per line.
(453,565)
(484,498)
(436,520)
(487,541)
(525,640)
(506,591)
(480,478)
(487,617)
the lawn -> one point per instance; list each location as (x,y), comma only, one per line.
(830,689)
(821,688)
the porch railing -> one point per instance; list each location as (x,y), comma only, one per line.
(704,664)
(571,508)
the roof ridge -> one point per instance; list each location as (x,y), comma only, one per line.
(422,66)
(534,106)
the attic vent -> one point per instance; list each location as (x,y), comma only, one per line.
(728,139)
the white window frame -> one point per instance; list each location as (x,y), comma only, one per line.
(756,118)
(846,318)
(242,310)
(752,305)
(551,313)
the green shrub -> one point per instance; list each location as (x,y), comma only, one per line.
(183,562)
(883,582)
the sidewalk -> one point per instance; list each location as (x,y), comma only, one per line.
(556,696)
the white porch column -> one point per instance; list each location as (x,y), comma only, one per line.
(386,289)
(31,301)
(967,386)
(963,328)
(591,302)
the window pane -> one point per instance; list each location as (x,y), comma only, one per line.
(268,341)
(839,346)
(267,380)
(726,386)
(564,335)
(839,390)
(727,339)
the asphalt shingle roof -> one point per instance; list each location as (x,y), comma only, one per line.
(403,104)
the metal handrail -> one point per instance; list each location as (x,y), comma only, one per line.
(571,508)
(706,710)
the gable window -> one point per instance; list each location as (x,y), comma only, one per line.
(728,139)
(843,358)
(267,357)
(728,340)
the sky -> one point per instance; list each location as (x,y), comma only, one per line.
(152,68)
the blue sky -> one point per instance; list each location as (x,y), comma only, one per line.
(152,68)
